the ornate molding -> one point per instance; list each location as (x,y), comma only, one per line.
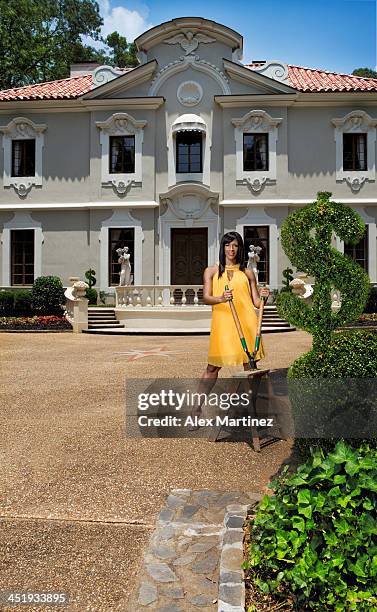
(21,128)
(256,184)
(189,41)
(355,183)
(273,69)
(257,120)
(185,62)
(355,122)
(104,74)
(121,186)
(119,124)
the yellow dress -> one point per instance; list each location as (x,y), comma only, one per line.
(225,347)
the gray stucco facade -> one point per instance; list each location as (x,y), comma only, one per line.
(185,82)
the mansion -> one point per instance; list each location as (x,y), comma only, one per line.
(166,157)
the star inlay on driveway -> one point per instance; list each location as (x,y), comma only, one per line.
(160,351)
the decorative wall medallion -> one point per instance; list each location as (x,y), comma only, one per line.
(256,184)
(121,186)
(355,182)
(189,93)
(189,41)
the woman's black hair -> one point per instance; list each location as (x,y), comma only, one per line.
(227,239)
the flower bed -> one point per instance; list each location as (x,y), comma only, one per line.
(35,323)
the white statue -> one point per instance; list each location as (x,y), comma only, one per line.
(301,287)
(125,267)
(253,255)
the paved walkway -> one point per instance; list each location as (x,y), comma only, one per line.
(78,499)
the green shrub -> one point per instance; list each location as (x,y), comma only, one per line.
(23,303)
(92,295)
(315,538)
(6,303)
(48,295)
(371,305)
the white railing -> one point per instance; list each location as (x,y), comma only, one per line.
(162,296)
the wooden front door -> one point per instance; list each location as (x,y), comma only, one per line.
(189,258)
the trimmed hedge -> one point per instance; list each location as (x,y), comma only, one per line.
(92,295)
(371,305)
(16,303)
(48,295)
(315,539)
(6,303)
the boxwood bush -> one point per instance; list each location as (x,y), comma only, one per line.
(315,539)
(48,296)
(6,303)
(23,303)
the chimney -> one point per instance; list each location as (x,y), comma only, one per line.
(82,68)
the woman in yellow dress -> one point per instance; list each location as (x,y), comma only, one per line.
(225,348)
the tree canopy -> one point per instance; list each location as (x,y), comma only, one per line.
(40,39)
(365,72)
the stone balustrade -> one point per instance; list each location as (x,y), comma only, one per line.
(76,306)
(162,296)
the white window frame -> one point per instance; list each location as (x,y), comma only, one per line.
(120,219)
(21,128)
(355,122)
(21,221)
(175,177)
(121,124)
(258,216)
(256,122)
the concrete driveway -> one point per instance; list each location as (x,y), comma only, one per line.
(78,498)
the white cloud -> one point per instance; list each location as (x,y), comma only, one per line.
(129,23)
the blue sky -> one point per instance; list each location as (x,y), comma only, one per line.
(338,35)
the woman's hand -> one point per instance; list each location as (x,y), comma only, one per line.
(264,292)
(227,295)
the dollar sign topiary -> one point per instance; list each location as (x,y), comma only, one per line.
(287,275)
(90,277)
(306,239)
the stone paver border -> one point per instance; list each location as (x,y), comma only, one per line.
(194,559)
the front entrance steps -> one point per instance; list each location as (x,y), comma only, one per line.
(173,321)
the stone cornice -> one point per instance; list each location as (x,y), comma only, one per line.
(298,99)
(80,106)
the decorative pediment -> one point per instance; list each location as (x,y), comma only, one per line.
(120,124)
(355,121)
(257,120)
(194,62)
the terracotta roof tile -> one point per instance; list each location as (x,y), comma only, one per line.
(303,79)
(63,89)
(317,80)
